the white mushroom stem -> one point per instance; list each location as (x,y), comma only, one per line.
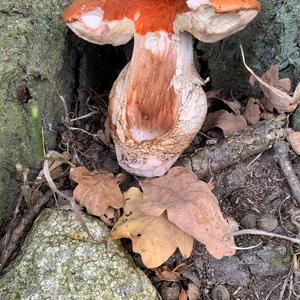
(157,104)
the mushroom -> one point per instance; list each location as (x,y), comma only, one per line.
(157,104)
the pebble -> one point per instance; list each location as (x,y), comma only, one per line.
(268,222)
(169,291)
(220,292)
(249,221)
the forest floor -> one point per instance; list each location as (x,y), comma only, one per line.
(253,192)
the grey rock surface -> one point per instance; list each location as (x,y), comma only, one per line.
(270,260)
(35,58)
(57,262)
(230,270)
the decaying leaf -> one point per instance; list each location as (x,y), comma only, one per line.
(294,140)
(228,122)
(275,90)
(252,112)
(166,274)
(154,237)
(265,115)
(191,206)
(193,291)
(233,104)
(267,105)
(182,295)
(104,135)
(56,167)
(98,193)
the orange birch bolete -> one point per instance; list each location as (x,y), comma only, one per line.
(157,104)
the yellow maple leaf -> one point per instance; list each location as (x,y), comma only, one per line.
(155,238)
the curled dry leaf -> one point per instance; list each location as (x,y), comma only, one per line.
(275,90)
(252,112)
(166,274)
(98,193)
(233,104)
(228,122)
(154,237)
(191,206)
(294,140)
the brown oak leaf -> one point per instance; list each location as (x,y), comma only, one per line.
(252,112)
(97,192)
(294,140)
(276,91)
(191,206)
(228,122)
(155,238)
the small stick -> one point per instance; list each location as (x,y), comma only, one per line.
(249,142)
(261,233)
(282,151)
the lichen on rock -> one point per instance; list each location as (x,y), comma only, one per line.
(57,261)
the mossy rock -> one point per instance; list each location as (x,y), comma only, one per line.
(57,262)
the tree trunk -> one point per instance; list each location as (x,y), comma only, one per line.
(272,38)
(34,59)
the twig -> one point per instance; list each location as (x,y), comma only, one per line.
(251,141)
(280,216)
(272,290)
(254,160)
(85,116)
(261,233)
(82,130)
(54,189)
(282,149)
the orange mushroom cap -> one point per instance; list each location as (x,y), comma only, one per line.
(151,15)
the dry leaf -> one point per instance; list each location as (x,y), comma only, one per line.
(56,166)
(265,115)
(267,105)
(252,112)
(294,140)
(166,274)
(105,135)
(275,90)
(228,122)
(182,295)
(191,206)
(96,192)
(233,104)
(193,292)
(155,238)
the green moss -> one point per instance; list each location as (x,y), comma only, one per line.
(34,57)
